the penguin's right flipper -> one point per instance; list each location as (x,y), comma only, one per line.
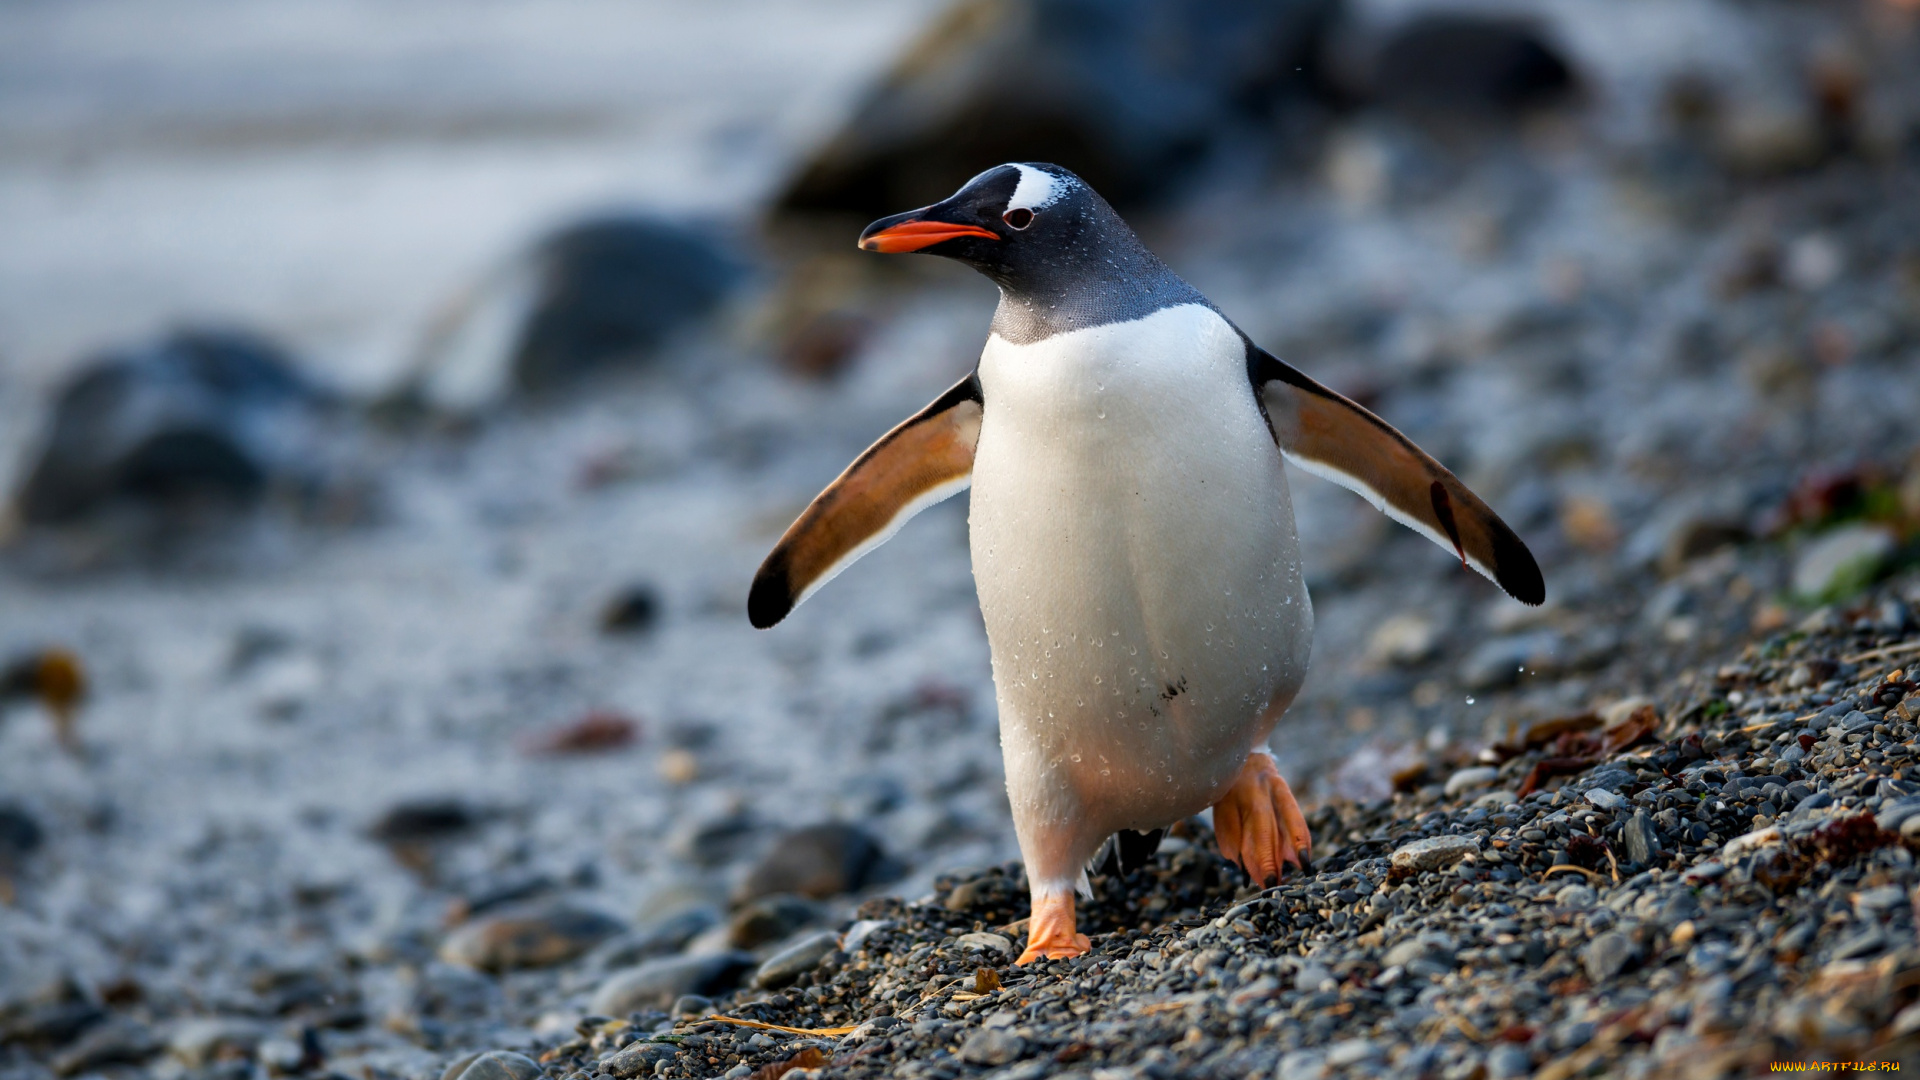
(1335,439)
(929,457)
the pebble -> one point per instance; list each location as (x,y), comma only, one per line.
(197,1042)
(1608,955)
(1841,562)
(1434,853)
(1467,779)
(535,938)
(992,1046)
(1642,843)
(768,919)
(795,960)
(656,983)
(116,1042)
(819,862)
(637,1059)
(1604,799)
(983,940)
(493,1065)
(424,820)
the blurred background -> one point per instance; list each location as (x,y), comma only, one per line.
(395,402)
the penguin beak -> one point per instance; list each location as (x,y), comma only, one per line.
(911,232)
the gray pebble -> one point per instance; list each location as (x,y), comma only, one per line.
(1607,955)
(795,960)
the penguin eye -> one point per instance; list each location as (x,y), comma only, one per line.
(1018,218)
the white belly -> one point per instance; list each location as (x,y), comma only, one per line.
(1134,550)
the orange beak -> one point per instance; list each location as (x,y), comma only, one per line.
(914,235)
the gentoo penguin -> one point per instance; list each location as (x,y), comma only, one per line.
(1132,534)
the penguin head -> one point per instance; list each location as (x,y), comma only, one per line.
(1012,223)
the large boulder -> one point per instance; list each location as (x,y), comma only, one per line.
(200,418)
(1123,92)
(1465,62)
(599,293)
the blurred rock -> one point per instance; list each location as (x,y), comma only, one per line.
(20,836)
(1462,62)
(795,960)
(201,1041)
(637,1059)
(633,610)
(493,1065)
(818,861)
(117,1042)
(596,732)
(668,935)
(1695,538)
(1502,661)
(714,841)
(200,420)
(1120,91)
(1842,562)
(50,1023)
(656,984)
(424,820)
(767,919)
(1589,523)
(538,937)
(1403,639)
(597,294)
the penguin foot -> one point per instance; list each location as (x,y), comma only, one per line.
(1050,932)
(1259,825)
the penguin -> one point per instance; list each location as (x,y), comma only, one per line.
(1131,532)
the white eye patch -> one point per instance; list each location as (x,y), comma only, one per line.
(1036,189)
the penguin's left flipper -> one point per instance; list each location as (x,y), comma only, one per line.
(1334,438)
(929,457)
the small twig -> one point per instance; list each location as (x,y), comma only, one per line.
(1614,863)
(1883,651)
(716,1018)
(1552,870)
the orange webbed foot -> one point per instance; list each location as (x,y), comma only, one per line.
(1259,824)
(1051,933)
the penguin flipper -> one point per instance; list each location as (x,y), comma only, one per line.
(927,458)
(1335,439)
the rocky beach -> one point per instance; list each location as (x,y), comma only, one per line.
(390,436)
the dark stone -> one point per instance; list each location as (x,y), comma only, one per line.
(203,418)
(118,1042)
(668,935)
(1643,843)
(818,861)
(658,983)
(771,918)
(1608,955)
(598,294)
(20,836)
(795,960)
(540,937)
(633,610)
(1122,92)
(423,820)
(1468,63)
(53,1023)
